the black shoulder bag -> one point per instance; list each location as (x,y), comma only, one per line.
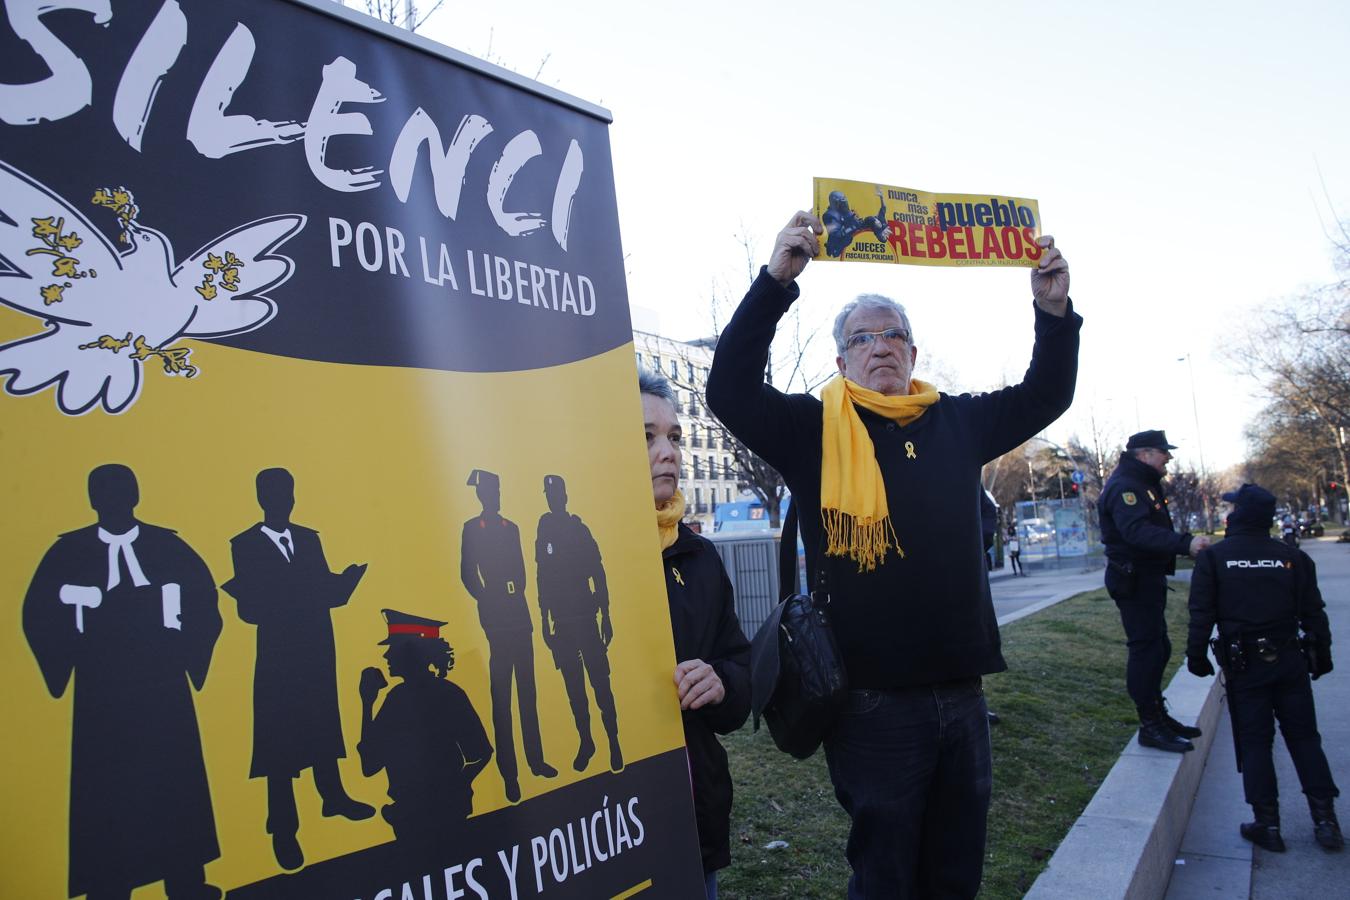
(797,679)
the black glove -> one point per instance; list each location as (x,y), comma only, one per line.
(1199,664)
(1320,663)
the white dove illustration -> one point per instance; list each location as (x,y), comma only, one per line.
(108,313)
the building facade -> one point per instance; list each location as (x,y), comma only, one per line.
(709,474)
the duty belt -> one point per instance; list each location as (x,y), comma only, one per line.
(1267,649)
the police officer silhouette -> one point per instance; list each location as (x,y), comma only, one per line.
(574,610)
(1261,593)
(283,586)
(492,567)
(426,736)
(842,224)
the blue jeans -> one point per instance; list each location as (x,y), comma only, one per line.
(710,885)
(913,769)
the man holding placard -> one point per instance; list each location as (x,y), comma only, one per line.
(909,600)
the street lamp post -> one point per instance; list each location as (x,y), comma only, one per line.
(1199,444)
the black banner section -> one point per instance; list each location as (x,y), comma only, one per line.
(593,840)
(446,220)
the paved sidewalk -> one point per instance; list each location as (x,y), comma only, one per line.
(1018,596)
(1214,862)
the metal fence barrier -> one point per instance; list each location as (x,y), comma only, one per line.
(751,561)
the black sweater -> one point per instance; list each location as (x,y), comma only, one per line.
(703,620)
(927,617)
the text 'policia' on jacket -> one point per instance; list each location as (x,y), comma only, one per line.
(928,616)
(1255,586)
(1136,526)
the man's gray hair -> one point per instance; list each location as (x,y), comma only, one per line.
(866,301)
(656,384)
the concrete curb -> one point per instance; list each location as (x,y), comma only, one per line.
(1125,843)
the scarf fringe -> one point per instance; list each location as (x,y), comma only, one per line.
(864,541)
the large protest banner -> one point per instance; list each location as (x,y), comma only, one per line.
(925,228)
(330,567)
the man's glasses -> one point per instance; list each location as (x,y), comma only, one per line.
(865,338)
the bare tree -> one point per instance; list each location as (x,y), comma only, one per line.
(791,367)
(403,13)
(1298,350)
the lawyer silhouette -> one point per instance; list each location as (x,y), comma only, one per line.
(130,610)
(574,609)
(426,737)
(492,568)
(283,585)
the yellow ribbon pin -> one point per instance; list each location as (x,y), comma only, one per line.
(909,450)
(679,579)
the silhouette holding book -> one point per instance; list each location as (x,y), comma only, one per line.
(492,567)
(129,610)
(283,585)
(426,736)
(574,610)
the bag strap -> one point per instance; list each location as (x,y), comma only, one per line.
(787,558)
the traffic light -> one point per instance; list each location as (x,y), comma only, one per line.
(1333,487)
(1073,488)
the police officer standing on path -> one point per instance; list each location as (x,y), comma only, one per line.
(1260,593)
(1141,551)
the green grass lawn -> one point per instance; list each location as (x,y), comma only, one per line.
(1065,720)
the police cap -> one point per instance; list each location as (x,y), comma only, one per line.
(1252,498)
(1156,440)
(405,626)
(483,477)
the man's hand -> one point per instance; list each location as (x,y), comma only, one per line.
(606,629)
(372,682)
(698,684)
(796,245)
(1198,543)
(1199,664)
(1050,279)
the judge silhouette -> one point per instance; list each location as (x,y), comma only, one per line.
(574,609)
(426,737)
(492,568)
(130,610)
(283,585)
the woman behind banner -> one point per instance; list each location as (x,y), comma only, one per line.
(713,673)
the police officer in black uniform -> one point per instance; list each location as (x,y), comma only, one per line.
(492,568)
(574,609)
(1261,593)
(1141,551)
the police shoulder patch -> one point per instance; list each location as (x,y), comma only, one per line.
(1129,498)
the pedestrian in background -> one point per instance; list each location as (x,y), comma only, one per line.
(1261,593)
(1015,553)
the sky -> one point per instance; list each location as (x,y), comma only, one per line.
(1188,158)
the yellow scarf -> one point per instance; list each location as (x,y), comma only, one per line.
(852,494)
(668,516)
